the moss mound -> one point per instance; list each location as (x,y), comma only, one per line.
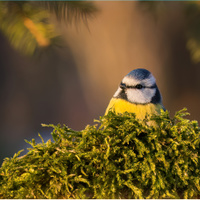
(120,157)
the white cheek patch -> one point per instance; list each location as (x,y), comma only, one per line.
(142,96)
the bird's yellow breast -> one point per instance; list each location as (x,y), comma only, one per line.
(120,106)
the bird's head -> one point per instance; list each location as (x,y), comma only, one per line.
(139,87)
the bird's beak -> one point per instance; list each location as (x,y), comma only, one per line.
(122,86)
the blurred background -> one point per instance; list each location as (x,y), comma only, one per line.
(61,62)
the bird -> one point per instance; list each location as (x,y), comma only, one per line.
(137,93)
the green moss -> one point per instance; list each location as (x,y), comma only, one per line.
(120,157)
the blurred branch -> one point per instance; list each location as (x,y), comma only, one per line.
(70,10)
(192,16)
(41,40)
(192,12)
(27,24)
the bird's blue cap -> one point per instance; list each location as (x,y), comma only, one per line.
(139,74)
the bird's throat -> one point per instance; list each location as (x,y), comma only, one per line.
(120,106)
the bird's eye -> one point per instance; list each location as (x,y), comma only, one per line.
(139,86)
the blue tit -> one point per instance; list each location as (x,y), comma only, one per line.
(137,93)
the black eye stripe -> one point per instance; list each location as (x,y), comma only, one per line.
(138,86)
